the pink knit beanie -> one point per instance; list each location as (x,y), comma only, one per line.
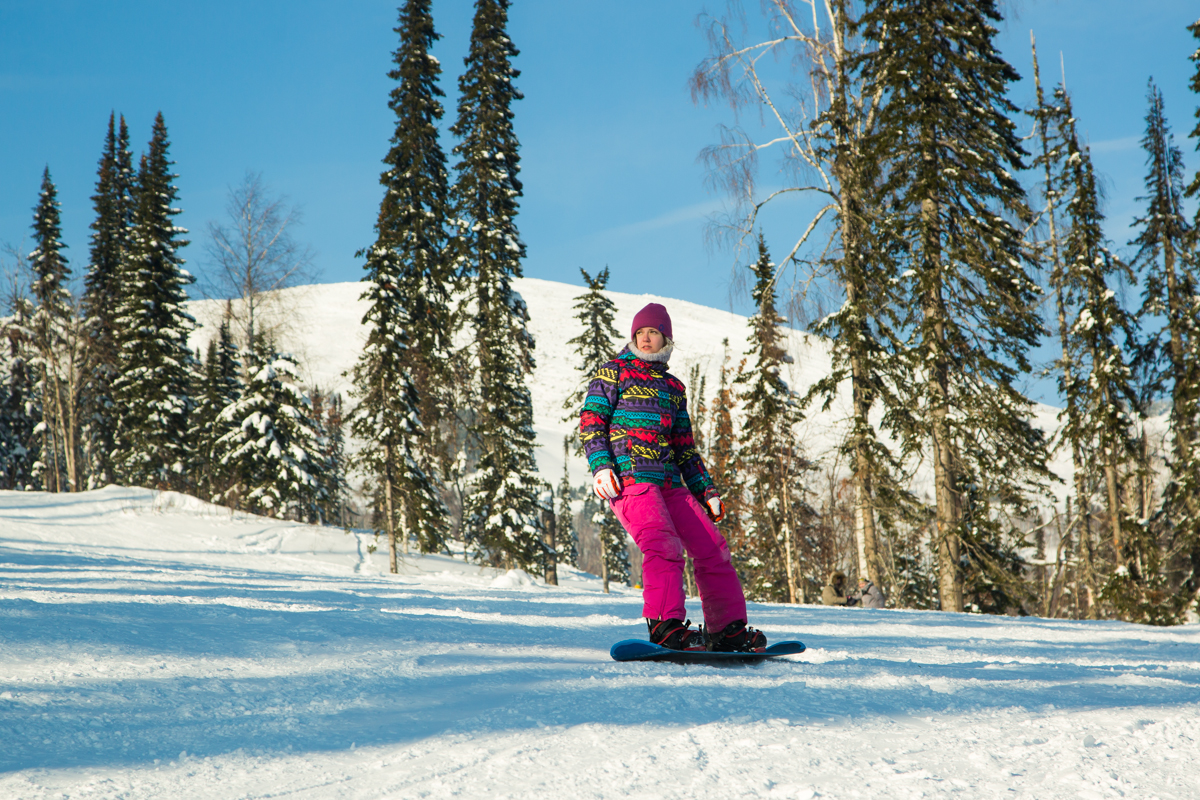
(652,316)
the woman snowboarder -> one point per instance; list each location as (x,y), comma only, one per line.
(638,440)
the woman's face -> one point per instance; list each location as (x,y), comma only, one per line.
(649,340)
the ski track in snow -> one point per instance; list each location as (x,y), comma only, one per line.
(154,646)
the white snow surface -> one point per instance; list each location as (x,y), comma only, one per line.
(154,646)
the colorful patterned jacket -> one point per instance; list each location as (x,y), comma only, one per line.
(635,422)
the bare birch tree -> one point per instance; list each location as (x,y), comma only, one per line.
(253,255)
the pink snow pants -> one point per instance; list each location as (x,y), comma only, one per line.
(663,523)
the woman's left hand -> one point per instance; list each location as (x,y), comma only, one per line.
(716,509)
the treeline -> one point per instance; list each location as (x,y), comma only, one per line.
(103,388)
(945,270)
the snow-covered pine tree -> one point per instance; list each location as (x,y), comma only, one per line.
(55,331)
(1191,585)
(1104,386)
(333,495)
(413,221)
(770,492)
(948,147)
(501,506)
(20,410)
(272,445)
(596,345)
(386,418)
(9,445)
(110,248)
(567,538)
(407,319)
(219,387)
(152,390)
(1167,258)
(1049,119)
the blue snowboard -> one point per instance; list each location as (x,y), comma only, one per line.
(641,650)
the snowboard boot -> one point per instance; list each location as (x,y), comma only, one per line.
(737,637)
(674,635)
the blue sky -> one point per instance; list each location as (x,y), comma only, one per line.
(610,135)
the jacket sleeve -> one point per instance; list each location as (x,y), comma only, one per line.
(595,417)
(830,597)
(691,466)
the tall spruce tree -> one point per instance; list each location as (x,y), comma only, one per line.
(54,329)
(596,345)
(110,248)
(413,221)
(153,387)
(771,467)
(1191,585)
(1101,386)
(20,407)
(399,377)
(1050,119)
(333,487)
(219,387)
(949,149)
(1166,256)
(501,506)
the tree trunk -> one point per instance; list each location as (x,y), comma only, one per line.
(604,560)
(850,201)
(864,514)
(389,508)
(1086,553)
(950,581)
(787,554)
(550,525)
(49,436)
(1113,496)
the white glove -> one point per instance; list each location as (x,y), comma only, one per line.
(606,485)
(716,509)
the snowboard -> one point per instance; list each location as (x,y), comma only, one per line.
(641,650)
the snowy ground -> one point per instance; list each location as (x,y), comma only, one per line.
(152,646)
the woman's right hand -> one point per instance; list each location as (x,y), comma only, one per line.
(605,484)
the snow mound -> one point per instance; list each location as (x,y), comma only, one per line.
(513,579)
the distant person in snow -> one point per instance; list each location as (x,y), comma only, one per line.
(834,593)
(870,595)
(638,440)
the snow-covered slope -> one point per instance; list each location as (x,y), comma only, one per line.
(152,646)
(325,332)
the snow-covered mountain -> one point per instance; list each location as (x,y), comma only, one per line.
(324,330)
(153,646)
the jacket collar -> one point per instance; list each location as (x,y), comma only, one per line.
(658,365)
